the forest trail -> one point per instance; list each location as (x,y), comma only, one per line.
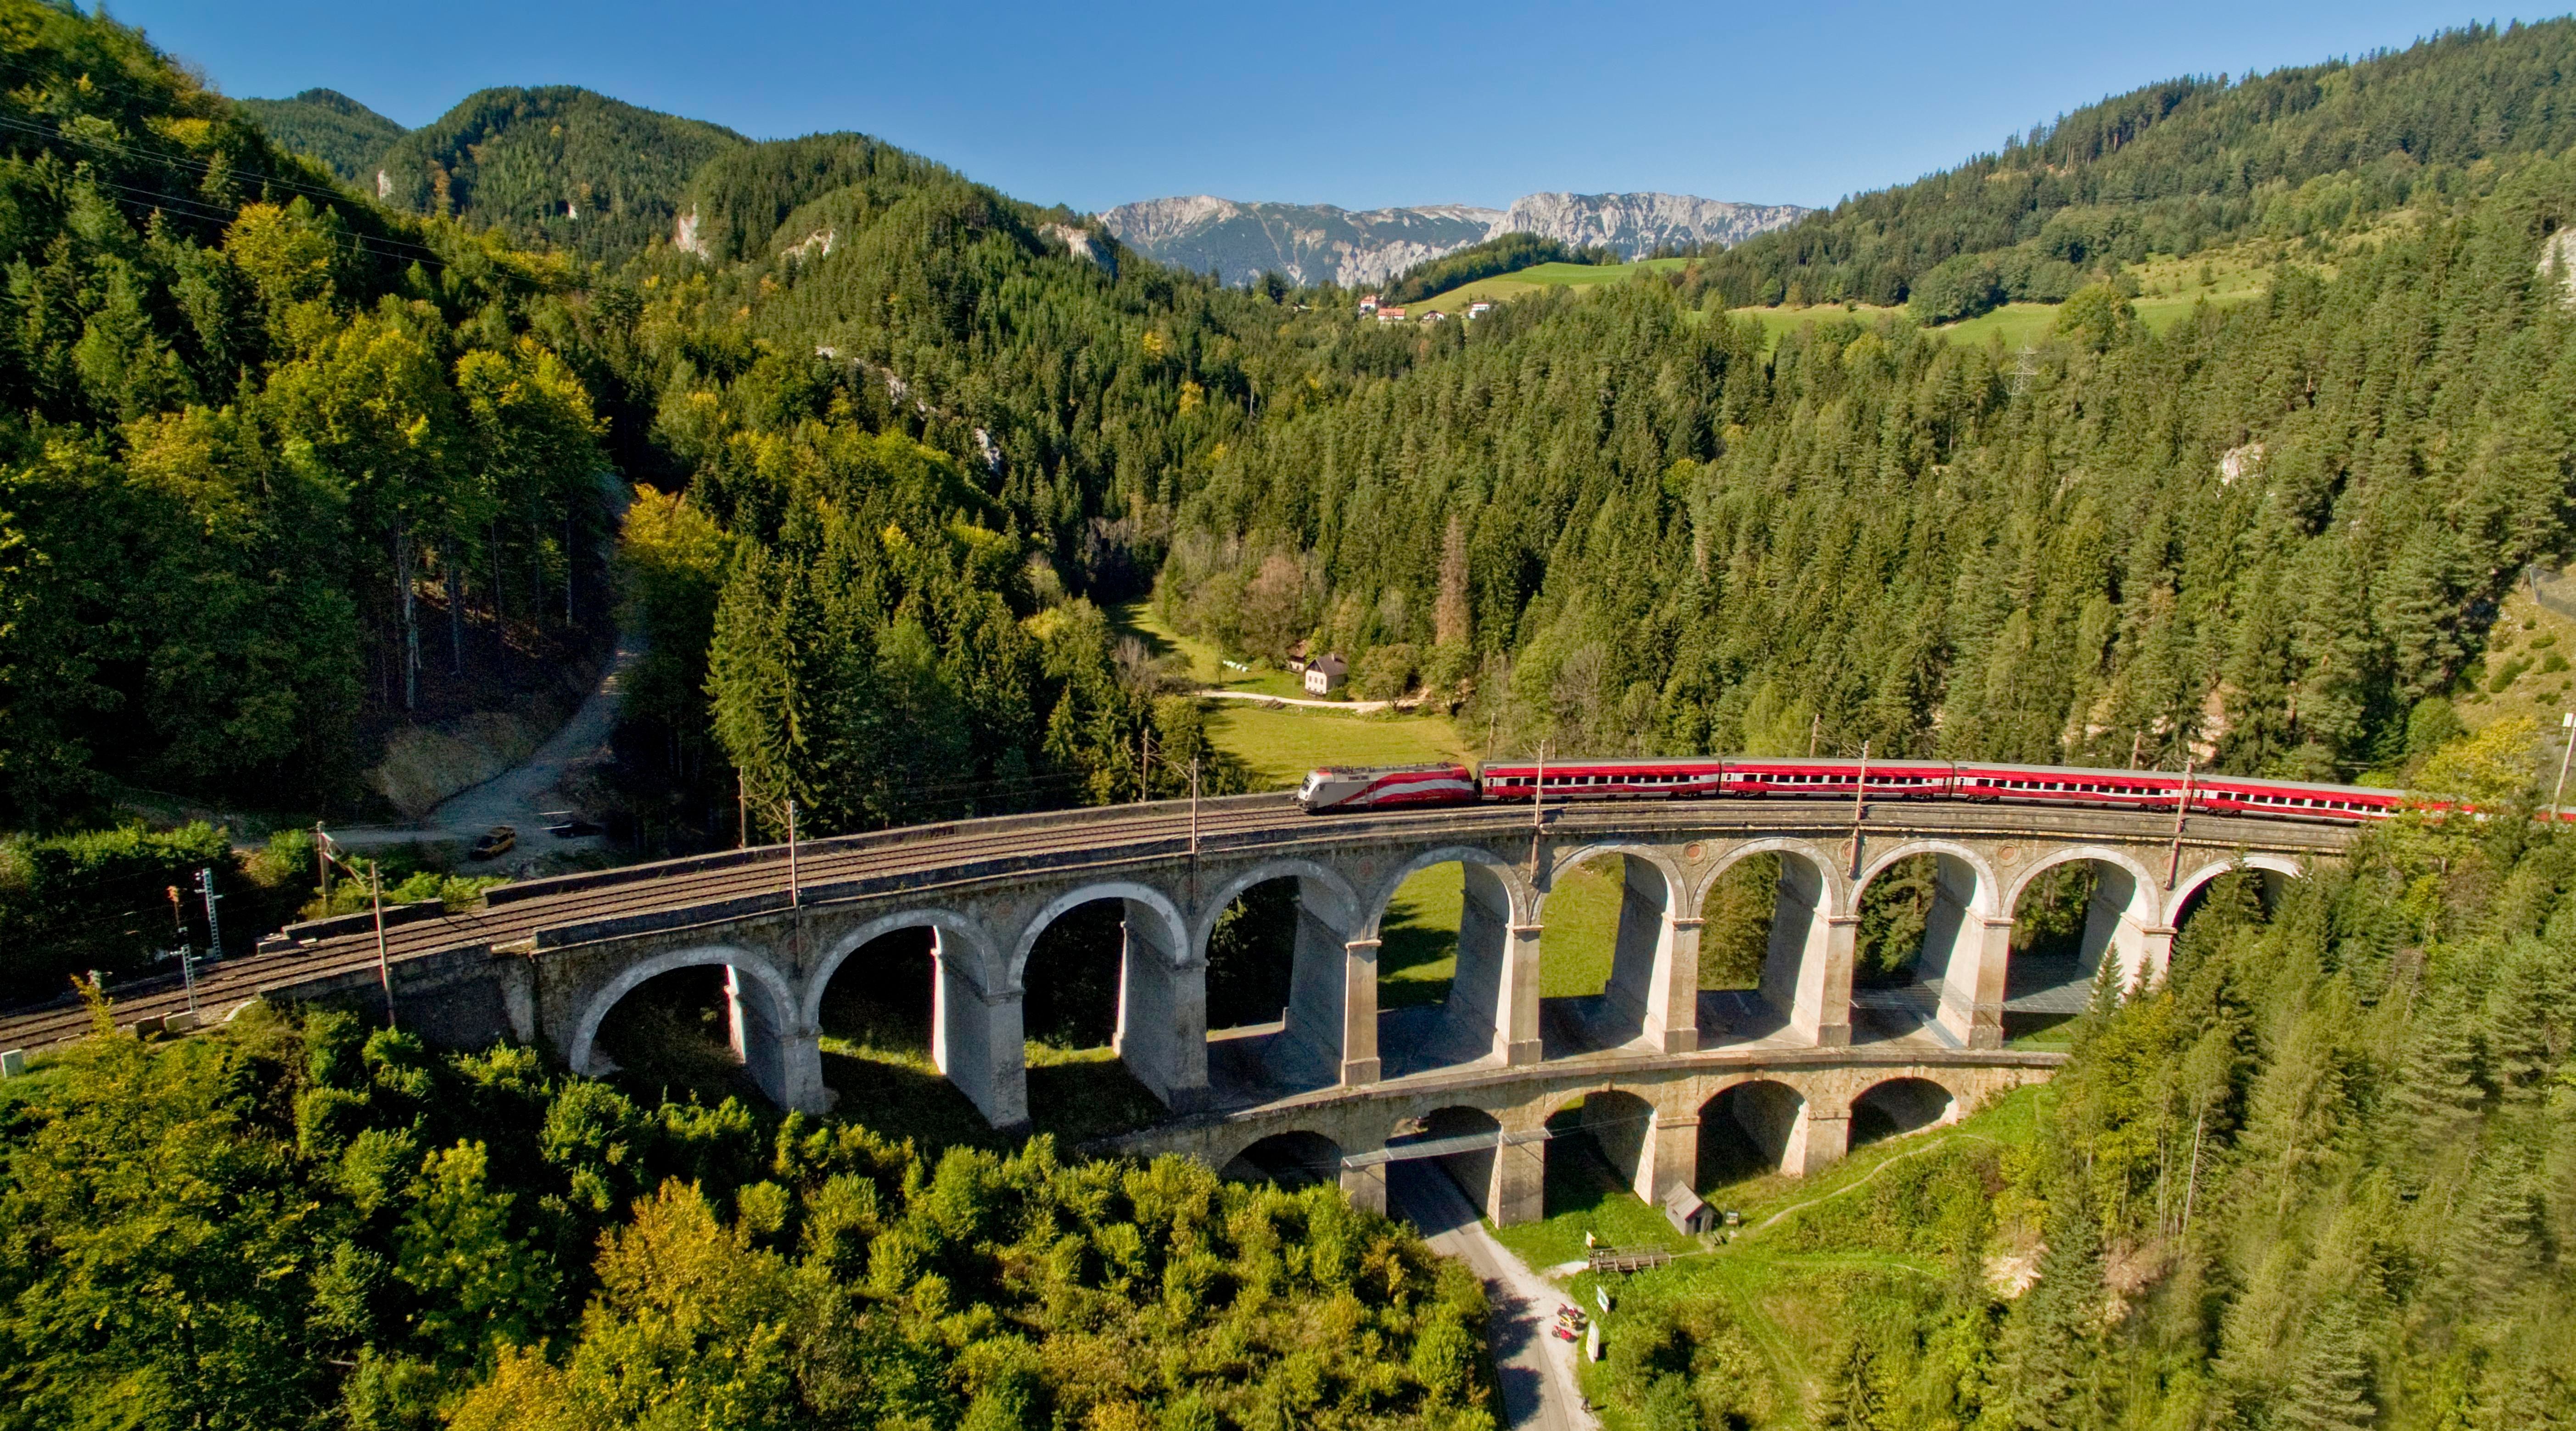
(1535,1369)
(521,795)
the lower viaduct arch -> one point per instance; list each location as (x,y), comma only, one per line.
(1496,1138)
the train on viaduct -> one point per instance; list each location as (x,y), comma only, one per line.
(1335,1085)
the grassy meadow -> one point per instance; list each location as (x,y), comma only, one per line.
(1282,743)
(1812,1258)
(1537,277)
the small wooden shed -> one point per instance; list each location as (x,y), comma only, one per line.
(1687,1212)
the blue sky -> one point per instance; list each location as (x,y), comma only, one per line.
(1352,104)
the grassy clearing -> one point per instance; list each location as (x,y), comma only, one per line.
(1508,286)
(1585,1196)
(1282,743)
(1418,940)
(1418,954)
(2526,670)
(2040,1034)
(1777,322)
(1794,1286)
(1581,930)
(2169,288)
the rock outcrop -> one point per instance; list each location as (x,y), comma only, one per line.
(1318,243)
(1641,223)
(685,235)
(1080,244)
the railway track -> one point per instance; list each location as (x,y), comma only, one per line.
(861,866)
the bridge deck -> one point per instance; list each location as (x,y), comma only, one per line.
(737,884)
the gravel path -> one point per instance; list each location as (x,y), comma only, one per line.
(1537,1370)
(520,795)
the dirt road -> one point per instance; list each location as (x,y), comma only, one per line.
(1537,1370)
(520,795)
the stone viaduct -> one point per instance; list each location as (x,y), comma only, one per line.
(1335,1085)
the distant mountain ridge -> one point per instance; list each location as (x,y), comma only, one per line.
(1319,243)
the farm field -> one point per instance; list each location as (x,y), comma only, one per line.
(1778,321)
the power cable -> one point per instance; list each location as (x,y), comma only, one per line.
(162,100)
(206,208)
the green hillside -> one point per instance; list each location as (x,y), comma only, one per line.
(331,127)
(744,194)
(556,165)
(247,418)
(2173,168)
(1542,278)
(1493,258)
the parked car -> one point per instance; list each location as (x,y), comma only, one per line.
(496,842)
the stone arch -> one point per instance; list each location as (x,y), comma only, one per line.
(1755,1115)
(1907,1103)
(1650,991)
(2191,883)
(781,997)
(966,1045)
(1831,870)
(1676,881)
(1161,1029)
(1173,927)
(777,1050)
(1524,900)
(1293,1157)
(1502,1178)
(1805,987)
(1956,993)
(1986,887)
(1615,1124)
(1310,1049)
(2124,922)
(970,955)
(1491,1010)
(1331,880)
(2099,854)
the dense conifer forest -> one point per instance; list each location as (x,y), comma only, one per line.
(330,126)
(2173,168)
(275,450)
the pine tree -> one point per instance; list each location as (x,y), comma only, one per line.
(2492,1246)
(2046,1369)
(1852,1400)
(2329,1386)
(2436,1089)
